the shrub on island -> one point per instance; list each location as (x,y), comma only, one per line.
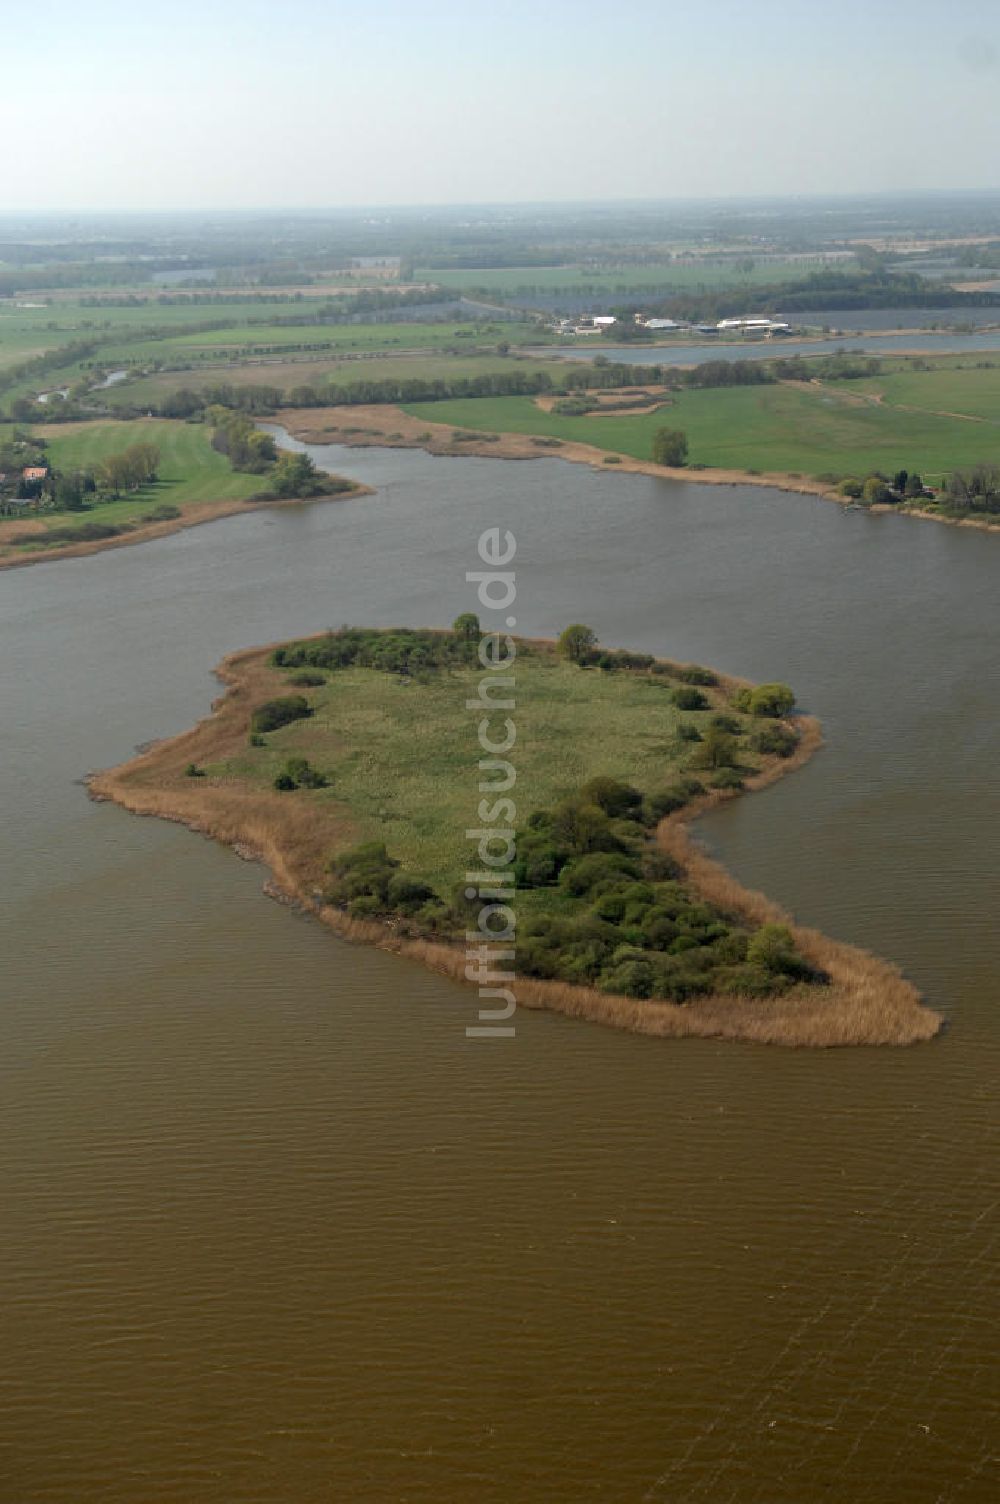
(402,650)
(280,712)
(299,773)
(774,741)
(772,700)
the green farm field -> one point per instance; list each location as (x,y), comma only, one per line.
(973,391)
(190,469)
(237,339)
(151,335)
(191,473)
(808,430)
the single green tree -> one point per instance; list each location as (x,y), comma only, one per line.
(294,475)
(670,446)
(875,490)
(774,700)
(577,642)
(466,626)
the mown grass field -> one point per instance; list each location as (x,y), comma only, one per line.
(808,430)
(969,389)
(190,472)
(403,755)
(18,343)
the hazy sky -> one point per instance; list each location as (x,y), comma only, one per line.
(241,103)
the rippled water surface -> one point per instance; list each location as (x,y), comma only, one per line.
(275,1232)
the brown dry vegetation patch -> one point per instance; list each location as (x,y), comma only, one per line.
(607,400)
(868,1001)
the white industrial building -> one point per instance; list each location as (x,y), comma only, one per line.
(753,326)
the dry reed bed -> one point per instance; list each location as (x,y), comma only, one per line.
(868,1001)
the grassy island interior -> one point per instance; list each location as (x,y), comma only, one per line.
(377,727)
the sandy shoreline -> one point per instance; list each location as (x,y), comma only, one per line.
(867,1002)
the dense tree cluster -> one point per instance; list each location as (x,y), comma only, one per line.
(235,435)
(401,650)
(601,905)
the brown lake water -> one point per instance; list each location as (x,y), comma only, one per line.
(274,1231)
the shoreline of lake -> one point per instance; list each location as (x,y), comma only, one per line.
(318,426)
(196,515)
(867,1000)
(437,439)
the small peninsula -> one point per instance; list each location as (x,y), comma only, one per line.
(348,764)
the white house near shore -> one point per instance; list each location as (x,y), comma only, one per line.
(753,326)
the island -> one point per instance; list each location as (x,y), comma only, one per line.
(349,764)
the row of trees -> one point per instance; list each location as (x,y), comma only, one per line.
(601,374)
(235,436)
(905,485)
(835,290)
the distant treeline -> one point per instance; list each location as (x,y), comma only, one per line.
(76,274)
(837,291)
(187,402)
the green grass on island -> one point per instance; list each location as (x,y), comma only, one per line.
(377,726)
